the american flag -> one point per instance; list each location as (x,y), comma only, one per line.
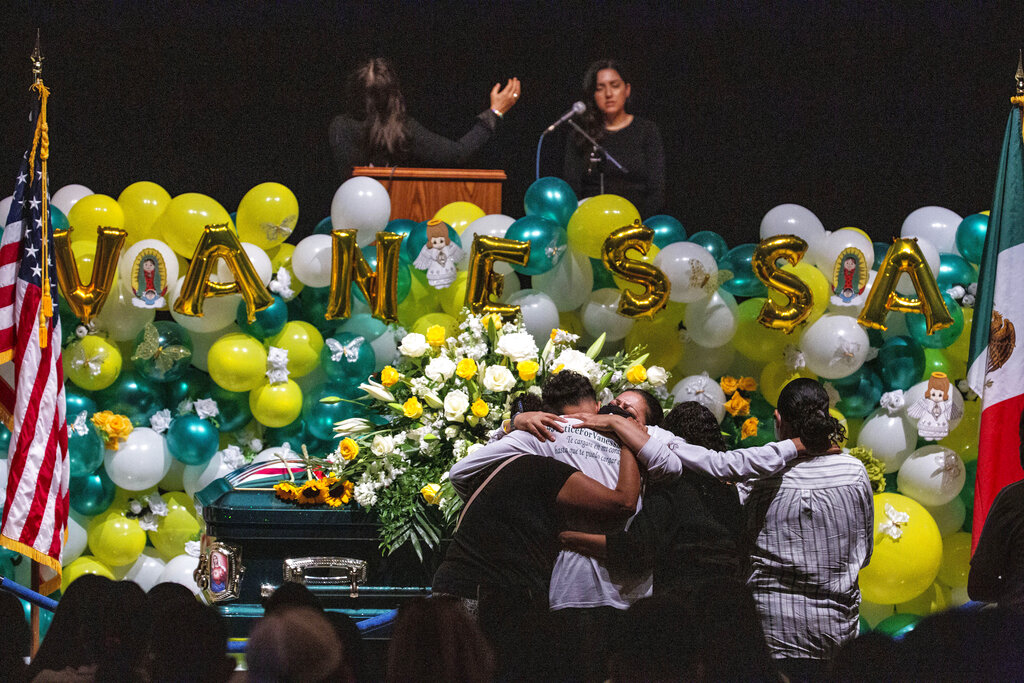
(35,503)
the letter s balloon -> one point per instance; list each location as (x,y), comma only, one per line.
(799,299)
(654,296)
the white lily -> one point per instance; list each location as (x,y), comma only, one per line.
(377,391)
(432,399)
(353,425)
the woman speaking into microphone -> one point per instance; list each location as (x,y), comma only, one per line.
(632,141)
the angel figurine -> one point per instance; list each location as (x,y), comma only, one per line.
(935,409)
(438,256)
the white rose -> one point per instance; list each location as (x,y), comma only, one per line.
(382,445)
(413,345)
(577,361)
(456,403)
(657,375)
(498,378)
(518,346)
(439,369)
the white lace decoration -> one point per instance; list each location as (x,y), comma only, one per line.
(192,548)
(282,284)
(160,421)
(892,527)
(81,424)
(893,402)
(232,456)
(277,365)
(349,351)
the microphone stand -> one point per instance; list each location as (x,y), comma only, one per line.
(597,148)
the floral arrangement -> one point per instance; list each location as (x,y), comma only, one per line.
(113,427)
(442,400)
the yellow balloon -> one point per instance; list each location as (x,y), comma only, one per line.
(85,258)
(901,568)
(237,362)
(659,336)
(267,215)
(86,564)
(181,224)
(956,560)
(303,342)
(281,257)
(423,323)
(754,340)
(570,322)
(815,281)
(422,299)
(776,375)
(92,362)
(842,420)
(95,211)
(960,348)
(964,439)
(935,598)
(453,298)
(595,219)
(114,539)
(177,528)
(142,203)
(459,215)
(276,405)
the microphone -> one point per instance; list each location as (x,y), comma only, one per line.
(577,108)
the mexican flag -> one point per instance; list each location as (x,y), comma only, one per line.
(996,371)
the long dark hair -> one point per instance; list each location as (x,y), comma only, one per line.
(695,423)
(592,120)
(376,99)
(803,405)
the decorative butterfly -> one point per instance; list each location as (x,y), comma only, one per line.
(554,250)
(893,527)
(80,426)
(702,279)
(93,365)
(349,351)
(281,230)
(164,357)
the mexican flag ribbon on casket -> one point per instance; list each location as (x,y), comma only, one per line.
(996,361)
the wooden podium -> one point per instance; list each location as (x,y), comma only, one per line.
(418,193)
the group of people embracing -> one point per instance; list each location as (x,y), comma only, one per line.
(578,516)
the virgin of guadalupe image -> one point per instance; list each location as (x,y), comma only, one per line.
(149,277)
(850,276)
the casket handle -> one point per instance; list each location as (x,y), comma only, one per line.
(326,571)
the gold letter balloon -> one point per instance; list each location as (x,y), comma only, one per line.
(348,265)
(654,296)
(799,299)
(482,282)
(220,242)
(905,256)
(86,301)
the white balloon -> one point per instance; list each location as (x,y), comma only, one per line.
(147,569)
(139,462)
(697,359)
(601,315)
(950,517)
(834,346)
(218,312)
(834,245)
(273,454)
(905,285)
(704,390)
(172,480)
(540,315)
(917,392)
(68,196)
(360,204)
(491,225)
(935,224)
(120,320)
(712,322)
(569,283)
(385,350)
(932,475)
(259,259)
(891,438)
(77,538)
(311,260)
(792,219)
(126,263)
(688,267)
(511,285)
(198,477)
(179,570)
(201,343)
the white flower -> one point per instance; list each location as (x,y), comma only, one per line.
(277,365)
(282,284)
(353,425)
(451,432)
(498,378)
(577,361)
(160,421)
(414,345)
(893,402)
(365,494)
(156,504)
(657,375)
(148,523)
(563,337)
(206,407)
(192,548)
(135,506)
(432,399)
(377,391)
(382,445)
(232,456)
(439,369)
(256,445)
(518,346)
(456,403)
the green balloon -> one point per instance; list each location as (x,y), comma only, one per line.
(192,385)
(324,227)
(898,625)
(169,358)
(91,494)
(711,241)
(602,276)
(939,339)
(667,230)
(268,322)
(404,278)
(233,406)
(970,237)
(132,395)
(551,198)
(900,363)
(955,270)
(85,451)
(743,282)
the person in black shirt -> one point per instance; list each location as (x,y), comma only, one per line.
(688,529)
(997,567)
(633,141)
(378,132)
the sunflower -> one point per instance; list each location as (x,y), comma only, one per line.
(340,493)
(312,492)
(285,490)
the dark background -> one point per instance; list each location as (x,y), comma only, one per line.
(862,112)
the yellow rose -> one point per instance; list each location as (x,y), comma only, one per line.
(348,449)
(749,428)
(636,374)
(737,405)
(729,384)
(120,426)
(466,369)
(389,376)
(747,384)
(101,419)
(527,370)
(492,318)
(412,408)
(435,336)
(431,493)
(480,408)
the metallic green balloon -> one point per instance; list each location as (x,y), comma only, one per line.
(711,241)
(551,198)
(192,440)
(404,278)
(955,270)
(900,363)
(132,395)
(233,406)
(666,230)
(898,625)
(970,237)
(76,401)
(324,227)
(743,282)
(940,339)
(162,352)
(192,385)
(85,451)
(548,243)
(91,494)
(268,322)
(319,418)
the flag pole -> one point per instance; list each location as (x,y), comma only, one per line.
(37,72)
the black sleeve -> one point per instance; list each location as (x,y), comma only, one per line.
(549,476)
(654,156)
(635,548)
(989,563)
(427,147)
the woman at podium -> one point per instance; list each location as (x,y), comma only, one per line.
(633,142)
(379,132)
